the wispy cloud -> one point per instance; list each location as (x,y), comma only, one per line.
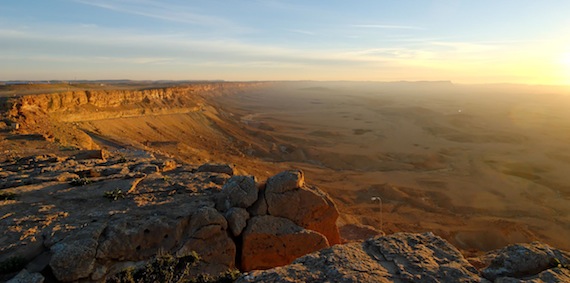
(374,26)
(306,32)
(166,12)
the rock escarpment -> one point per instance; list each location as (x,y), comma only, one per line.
(87,219)
(53,115)
(407,257)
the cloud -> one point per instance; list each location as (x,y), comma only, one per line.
(300,31)
(164,11)
(374,26)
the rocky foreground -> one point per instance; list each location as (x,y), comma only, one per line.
(89,216)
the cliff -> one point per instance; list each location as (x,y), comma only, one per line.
(53,114)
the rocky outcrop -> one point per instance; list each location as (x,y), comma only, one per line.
(533,262)
(396,258)
(270,241)
(288,190)
(407,257)
(125,209)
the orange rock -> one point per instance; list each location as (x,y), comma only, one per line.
(270,241)
(288,197)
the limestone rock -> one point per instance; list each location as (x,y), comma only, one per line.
(128,239)
(525,260)
(73,257)
(216,168)
(237,220)
(401,257)
(270,241)
(286,181)
(259,207)
(313,209)
(239,191)
(73,260)
(209,238)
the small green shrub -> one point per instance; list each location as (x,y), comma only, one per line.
(168,268)
(12,264)
(8,196)
(163,268)
(80,182)
(114,194)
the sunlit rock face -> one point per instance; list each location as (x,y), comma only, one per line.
(89,216)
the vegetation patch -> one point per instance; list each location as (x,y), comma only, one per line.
(8,196)
(168,268)
(114,194)
(80,182)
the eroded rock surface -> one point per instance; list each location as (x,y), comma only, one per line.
(270,241)
(533,262)
(407,257)
(287,190)
(111,213)
(401,257)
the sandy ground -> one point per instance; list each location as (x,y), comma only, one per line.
(480,166)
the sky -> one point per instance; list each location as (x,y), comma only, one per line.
(476,41)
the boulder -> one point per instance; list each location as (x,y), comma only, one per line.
(270,241)
(209,238)
(524,260)
(238,191)
(73,260)
(216,168)
(286,181)
(237,220)
(401,257)
(313,208)
(74,256)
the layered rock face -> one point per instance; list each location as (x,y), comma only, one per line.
(87,219)
(407,257)
(52,115)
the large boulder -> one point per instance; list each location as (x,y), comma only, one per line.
(238,191)
(270,241)
(74,256)
(209,238)
(287,196)
(402,257)
(525,261)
